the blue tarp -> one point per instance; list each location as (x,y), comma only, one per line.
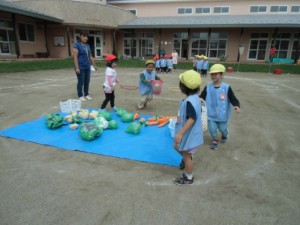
(152,144)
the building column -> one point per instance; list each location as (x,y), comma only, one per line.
(17,44)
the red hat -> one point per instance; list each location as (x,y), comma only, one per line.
(110,58)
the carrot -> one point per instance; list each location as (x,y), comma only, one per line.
(162,120)
(152,119)
(163,124)
(136,116)
(150,123)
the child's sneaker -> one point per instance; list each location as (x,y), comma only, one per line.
(224,138)
(183,180)
(214,145)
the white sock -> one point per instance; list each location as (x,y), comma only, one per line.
(189,176)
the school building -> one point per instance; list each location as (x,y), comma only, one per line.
(238,30)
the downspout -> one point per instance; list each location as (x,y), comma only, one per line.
(46,39)
(208,41)
(17,45)
(241,35)
(132,41)
(188,44)
(114,43)
(159,44)
(68,40)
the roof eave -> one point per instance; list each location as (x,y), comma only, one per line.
(30,14)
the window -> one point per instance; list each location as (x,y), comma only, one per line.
(146,44)
(7,38)
(258,9)
(180,43)
(184,11)
(219,9)
(282,41)
(258,46)
(295,46)
(295,9)
(199,43)
(129,43)
(275,8)
(26,32)
(133,11)
(217,45)
(202,10)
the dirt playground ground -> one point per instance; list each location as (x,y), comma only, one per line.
(252,179)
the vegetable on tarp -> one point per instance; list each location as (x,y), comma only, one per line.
(106,115)
(90,131)
(101,122)
(127,117)
(134,128)
(121,112)
(113,124)
(54,121)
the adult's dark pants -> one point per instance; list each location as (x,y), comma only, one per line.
(83,79)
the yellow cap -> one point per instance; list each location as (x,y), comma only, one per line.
(190,79)
(205,57)
(217,68)
(150,61)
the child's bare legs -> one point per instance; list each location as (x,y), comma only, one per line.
(187,157)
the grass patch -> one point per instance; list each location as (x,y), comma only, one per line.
(23,66)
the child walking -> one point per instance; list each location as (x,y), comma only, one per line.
(219,98)
(145,84)
(111,79)
(188,129)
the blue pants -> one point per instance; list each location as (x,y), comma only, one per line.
(83,81)
(213,127)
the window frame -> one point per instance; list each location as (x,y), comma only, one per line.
(221,7)
(203,7)
(185,8)
(279,8)
(258,6)
(26,31)
(295,6)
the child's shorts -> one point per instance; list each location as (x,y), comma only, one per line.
(191,151)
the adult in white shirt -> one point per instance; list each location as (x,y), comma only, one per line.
(175,59)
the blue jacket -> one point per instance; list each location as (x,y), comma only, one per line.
(146,88)
(217,103)
(194,136)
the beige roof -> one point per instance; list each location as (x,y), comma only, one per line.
(81,13)
(21,10)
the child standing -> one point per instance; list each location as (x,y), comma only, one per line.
(199,63)
(219,97)
(145,84)
(111,79)
(188,129)
(205,66)
(169,64)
